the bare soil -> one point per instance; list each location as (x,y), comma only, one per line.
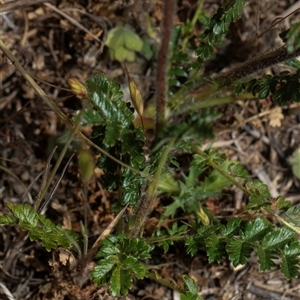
(53,48)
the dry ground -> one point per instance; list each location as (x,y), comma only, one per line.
(52,49)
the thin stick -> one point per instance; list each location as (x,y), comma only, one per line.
(74,22)
(42,209)
(162,62)
(7,292)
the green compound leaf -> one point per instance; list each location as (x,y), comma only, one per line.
(26,216)
(265,258)
(283,87)
(215,248)
(282,204)
(39,227)
(106,98)
(239,251)
(136,247)
(119,269)
(122,43)
(217,26)
(293,62)
(278,238)
(7,220)
(191,284)
(132,41)
(137,268)
(205,51)
(236,169)
(293,215)
(254,231)
(264,86)
(232,227)
(120,282)
(233,11)
(109,247)
(115,38)
(103,267)
(259,194)
(115,133)
(290,260)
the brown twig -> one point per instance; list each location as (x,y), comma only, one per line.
(162,62)
(17,4)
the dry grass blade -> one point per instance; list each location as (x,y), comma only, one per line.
(43,207)
(74,22)
(30,186)
(135,93)
(18,4)
(45,176)
(7,292)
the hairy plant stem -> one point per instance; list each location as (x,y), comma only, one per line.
(162,63)
(256,64)
(145,205)
(202,93)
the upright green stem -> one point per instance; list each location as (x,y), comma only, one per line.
(145,205)
(193,23)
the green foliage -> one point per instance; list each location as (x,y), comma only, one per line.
(195,126)
(179,59)
(259,193)
(192,192)
(293,215)
(114,132)
(283,87)
(217,26)
(119,261)
(292,37)
(193,289)
(38,226)
(123,43)
(239,238)
(208,172)
(165,238)
(295,162)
